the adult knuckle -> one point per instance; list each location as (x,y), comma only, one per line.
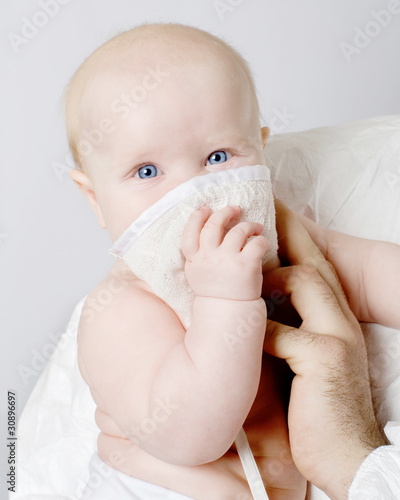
(314,258)
(336,349)
(331,268)
(306,272)
(308,338)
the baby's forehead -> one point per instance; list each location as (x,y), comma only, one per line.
(180,56)
(133,73)
(124,71)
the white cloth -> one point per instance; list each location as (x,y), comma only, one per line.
(106,483)
(344,177)
(379,475)
(378,478)
(151,246)
(57,432)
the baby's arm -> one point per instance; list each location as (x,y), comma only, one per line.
(183,396)
(368,270)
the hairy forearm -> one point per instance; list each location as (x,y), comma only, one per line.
(212,378)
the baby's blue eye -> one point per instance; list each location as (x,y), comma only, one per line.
(147,172)
(217,157)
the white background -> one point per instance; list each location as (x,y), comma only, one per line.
(51,251)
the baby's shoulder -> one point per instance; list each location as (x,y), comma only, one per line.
(118,289)
(121,319)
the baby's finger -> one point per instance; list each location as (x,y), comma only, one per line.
(213,231)
(237,237)
(256,248)
(191,231)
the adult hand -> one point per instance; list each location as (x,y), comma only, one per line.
(332,426)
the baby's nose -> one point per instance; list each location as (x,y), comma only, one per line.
(190,174)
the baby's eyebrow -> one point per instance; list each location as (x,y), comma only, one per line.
(237,140)
(131,158)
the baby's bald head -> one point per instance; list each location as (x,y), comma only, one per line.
(132,53)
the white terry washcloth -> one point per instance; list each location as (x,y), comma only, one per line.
(151,247)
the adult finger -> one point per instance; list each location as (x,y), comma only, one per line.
(285,342)
(313,300)
(298,248)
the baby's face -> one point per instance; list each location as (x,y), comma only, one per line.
(192,121)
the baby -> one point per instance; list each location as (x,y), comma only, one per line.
(149,110)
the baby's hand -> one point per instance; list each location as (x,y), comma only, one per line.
(223,266)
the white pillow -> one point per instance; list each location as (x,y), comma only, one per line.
(345,177)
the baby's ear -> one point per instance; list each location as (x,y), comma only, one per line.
(85,186)
(265,131)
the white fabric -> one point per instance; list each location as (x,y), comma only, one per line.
(106,483)
(151,246)
(57,433)
(250,467)
(345,177)
(378,478)
(379,475)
